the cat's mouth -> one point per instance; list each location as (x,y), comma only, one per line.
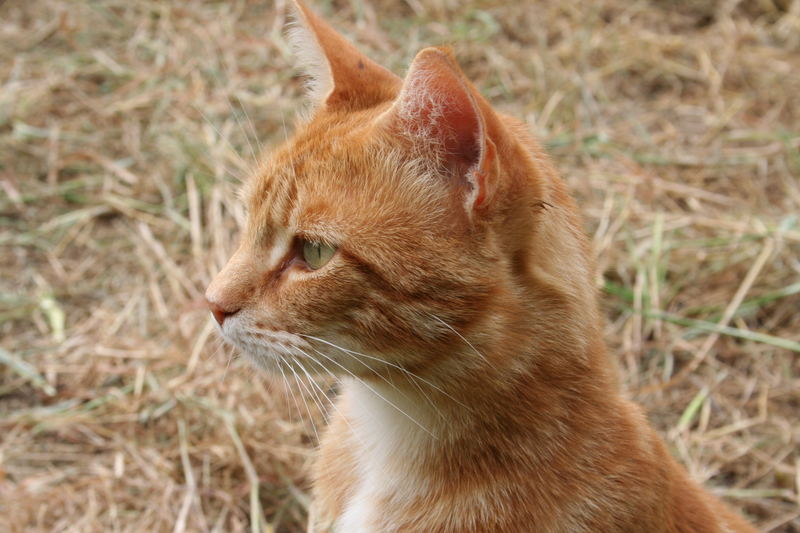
(272,350)
(283,352)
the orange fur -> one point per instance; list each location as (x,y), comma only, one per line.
(459,311)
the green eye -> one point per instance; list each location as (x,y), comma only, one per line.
(316,254)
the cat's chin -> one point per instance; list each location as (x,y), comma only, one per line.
(275,358)
(269,364)
(284,361)
(327,353)
(275,363)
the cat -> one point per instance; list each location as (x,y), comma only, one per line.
(420,246)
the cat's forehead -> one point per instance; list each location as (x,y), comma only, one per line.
(302,172)
(345,175)
(322,143)
(306,185)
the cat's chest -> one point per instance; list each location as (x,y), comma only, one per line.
(388,446)
(384,504)
(359,512)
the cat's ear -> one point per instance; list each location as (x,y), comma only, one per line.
(340,76)
(438,107)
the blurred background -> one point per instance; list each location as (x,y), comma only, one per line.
(127,127)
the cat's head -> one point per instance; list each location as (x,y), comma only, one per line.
(393,230)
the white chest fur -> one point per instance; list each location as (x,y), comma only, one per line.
(357,517)
(390,431)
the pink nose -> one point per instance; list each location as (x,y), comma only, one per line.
(220,314)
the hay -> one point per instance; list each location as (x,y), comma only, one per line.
(125,127)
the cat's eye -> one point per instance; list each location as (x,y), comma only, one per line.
(317,254)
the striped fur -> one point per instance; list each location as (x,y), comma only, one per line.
(459,311)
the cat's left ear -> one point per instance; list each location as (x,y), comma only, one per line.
(341,77)
(440,112)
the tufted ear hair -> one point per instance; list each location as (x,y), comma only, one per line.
(341,77)
(438,108)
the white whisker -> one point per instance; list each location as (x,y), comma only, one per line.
(332,403)
(426,430)
(320,403)
(408,373)
(391,383)
(227,365)
(220,345)
(451,328)
(288,385)
(225,139)
(305,403)
(308,395)
(252,130)
(229,79)
(285,384)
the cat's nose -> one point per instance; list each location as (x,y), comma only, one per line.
(220,313)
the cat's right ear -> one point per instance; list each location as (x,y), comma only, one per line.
(340,77)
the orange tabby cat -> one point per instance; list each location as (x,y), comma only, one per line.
(420,245)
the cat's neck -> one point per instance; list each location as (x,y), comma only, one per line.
(535,396)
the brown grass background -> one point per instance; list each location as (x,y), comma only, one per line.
(125,127)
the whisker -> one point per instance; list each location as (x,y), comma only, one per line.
(378,359)
(384,378)
(426,430)
(425,395)
(410,374)
(332,403)
(252,129)
(228,365)
(287,384)
(227,141)
(220,344)
(392,384)
(228,74)
(451,328)
(308,394)
(305,403)
(285,133)
(236,116)
(317,400)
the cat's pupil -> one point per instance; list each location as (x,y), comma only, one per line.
(316,254)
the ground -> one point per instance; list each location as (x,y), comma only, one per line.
(126,127)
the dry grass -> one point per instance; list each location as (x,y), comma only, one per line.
(124,127)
